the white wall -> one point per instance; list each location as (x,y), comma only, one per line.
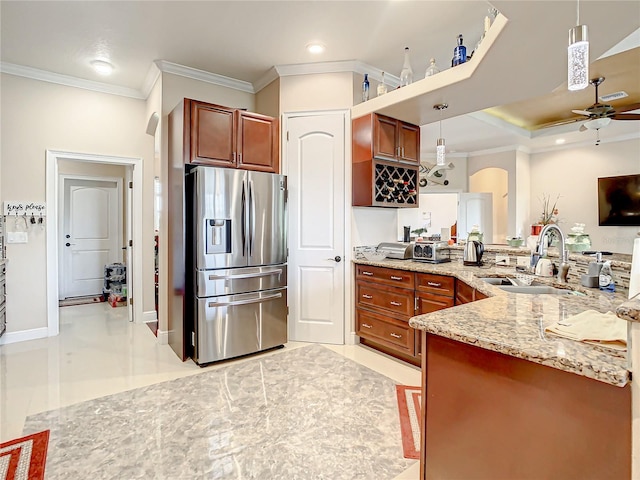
(436,211)
(37,116)
(572,173)
(495,181)
(326,91)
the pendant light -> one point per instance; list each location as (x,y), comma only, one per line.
(440,147)
(578,56)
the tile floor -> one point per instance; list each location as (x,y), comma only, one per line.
(100,353)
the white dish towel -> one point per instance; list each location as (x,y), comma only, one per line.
(604,329)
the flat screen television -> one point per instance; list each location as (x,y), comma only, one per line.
(619,201)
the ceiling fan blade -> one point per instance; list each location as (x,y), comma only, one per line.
(628,108)
(582,128)
(626,116)
(582,112)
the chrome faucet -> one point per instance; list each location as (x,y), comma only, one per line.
(563,269)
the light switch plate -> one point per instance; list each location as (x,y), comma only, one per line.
(523,261)
(17,237)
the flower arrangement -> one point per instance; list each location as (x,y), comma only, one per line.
(549,212)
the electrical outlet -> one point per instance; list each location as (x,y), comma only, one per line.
(502,260)
(523,261)
(17,237)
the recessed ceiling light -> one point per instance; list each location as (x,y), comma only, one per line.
(315,48)
(102,67)
(560,141)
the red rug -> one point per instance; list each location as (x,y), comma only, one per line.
(24,458)
(409,409)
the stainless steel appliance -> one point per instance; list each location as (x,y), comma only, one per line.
(399,251)
(472,254)
(237,262)
(431,252)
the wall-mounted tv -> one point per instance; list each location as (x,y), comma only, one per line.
(619,201)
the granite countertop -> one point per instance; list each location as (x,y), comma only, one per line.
(514,324)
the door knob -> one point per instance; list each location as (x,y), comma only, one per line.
(67,244)
(67,236)
(336,259)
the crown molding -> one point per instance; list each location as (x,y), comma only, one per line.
(500,123)
(153,74)
(69,81)
(507,148)
(587,143)
(201,75)
(344,66)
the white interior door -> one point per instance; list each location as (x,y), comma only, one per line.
(92,234)
(128,237)
(315,153)
(475,209)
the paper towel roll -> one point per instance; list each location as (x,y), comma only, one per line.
(634,282)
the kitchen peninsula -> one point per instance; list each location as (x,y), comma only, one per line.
(502,398)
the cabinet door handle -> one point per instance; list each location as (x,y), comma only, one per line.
(364,295)
(395,278)
(403,151)
(434,284)
(234,157)
(370,274)
(366,325)
(396,304)
(239,158)
(395,335)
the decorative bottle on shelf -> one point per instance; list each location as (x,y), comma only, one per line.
(382,88)
(406,75)
(432,69)
(365,88)
(459,53)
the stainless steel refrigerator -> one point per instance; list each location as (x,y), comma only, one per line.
(236,254)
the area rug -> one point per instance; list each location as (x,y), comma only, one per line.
(68,302)
(24,458)
(409,399)
(299,413)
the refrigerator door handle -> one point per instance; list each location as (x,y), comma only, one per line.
(266,298)
(252,217)
(243,221)
(245,275)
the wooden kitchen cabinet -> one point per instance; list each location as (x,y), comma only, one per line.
(466,293)
(433,293)
(228,137)
(385,162)
(384,304)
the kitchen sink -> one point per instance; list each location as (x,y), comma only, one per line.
(498,281)
(536,289)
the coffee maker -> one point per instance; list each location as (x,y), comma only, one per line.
(473,251)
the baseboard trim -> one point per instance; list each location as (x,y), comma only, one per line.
(149,316)
(163,337)
(24,335)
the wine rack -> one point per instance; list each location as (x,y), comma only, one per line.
(395,185)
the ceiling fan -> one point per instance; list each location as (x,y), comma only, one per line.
(601,114)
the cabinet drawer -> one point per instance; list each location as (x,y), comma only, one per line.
(386,276)
(385,330)
(385,299)
(438,284)
(428,302)
(464,293)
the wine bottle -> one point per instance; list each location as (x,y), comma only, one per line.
(382,88)
(406,75)
(432,69)
(365,88)
(459,53)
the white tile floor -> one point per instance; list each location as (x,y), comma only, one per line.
(99,352)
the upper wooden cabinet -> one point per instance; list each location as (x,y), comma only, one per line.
(229,137)
(385,162)
(392,139)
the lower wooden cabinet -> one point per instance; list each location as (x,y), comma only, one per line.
(386,298)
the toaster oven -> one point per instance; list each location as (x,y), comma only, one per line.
(431,252)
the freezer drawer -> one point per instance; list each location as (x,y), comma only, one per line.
(233,325)
(211,283)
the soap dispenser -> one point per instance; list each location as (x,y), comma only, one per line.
(595,267)
(606,278)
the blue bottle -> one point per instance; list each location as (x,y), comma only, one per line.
(459,53)
(365,88)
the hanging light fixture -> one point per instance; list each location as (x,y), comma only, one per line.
(440,147)
(578,56)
